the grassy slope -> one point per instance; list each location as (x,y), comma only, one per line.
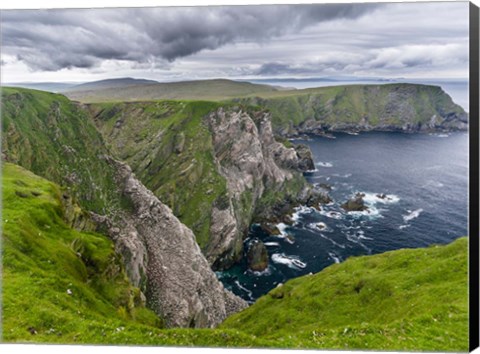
(407,299)
(41,261)
(170,150)
(49,135)
(349,104)
(218,89)
(401,300)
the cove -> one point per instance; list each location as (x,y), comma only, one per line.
(416,190)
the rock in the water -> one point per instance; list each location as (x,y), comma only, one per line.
(270,228)
(257,256)
(356,203)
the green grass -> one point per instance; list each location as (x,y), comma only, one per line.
(401,300)
(389,104)
(51,136)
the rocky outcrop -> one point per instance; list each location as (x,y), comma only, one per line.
(257,256)
(164,260)
(356,203)
(254,164)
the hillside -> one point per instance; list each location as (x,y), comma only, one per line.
(56,139)
(61,285)
(49,135)
(401,300)
(389,107)
(109,84)
(213,90)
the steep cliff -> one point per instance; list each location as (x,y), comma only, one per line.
(212,163)
(164,260)
(390,107)
(51,136)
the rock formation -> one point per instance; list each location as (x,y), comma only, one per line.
(163,259)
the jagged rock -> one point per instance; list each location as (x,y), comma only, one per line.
(305,159)
(251,161)
(325,186)
(164,260)
(270,228)
(356,203)
(257,256)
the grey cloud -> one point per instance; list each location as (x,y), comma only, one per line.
(56,39)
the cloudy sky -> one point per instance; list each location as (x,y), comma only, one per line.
(414,40)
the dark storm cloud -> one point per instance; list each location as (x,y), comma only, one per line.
(57,39)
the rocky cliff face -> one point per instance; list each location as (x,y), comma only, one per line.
(254,165)
(164,260)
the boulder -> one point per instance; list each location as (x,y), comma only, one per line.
(356,203)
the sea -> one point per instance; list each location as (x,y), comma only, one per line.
(415,187)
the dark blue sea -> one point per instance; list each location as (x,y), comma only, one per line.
(425,181)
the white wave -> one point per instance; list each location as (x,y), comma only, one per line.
(323,164)
(373,198)
(289,261)
(265,272)
(334,257)
(361,235)
(290,239)
(332,241)
(371,212)
(318,226)
(412,215)
(272,244)
(302,209)
(348,175)
(331,214)
(249,293)
(282,227)
(311,171)
(401,227)
(442,136)
(355,239)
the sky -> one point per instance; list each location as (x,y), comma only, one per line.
(388,40)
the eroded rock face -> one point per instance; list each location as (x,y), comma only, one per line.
(164,260)
(252,161)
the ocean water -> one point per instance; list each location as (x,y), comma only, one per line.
(424,178)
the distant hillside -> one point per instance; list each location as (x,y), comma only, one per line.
(388,107)
(411,299)
(43,86)
(128,90)
(109,84)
